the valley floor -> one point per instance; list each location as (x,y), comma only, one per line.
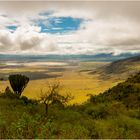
(73,77)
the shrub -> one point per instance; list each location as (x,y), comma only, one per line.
(8,94)
(76,131)
(3,128)
(25,128)
(97,112)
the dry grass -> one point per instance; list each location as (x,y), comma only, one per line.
(78,85)
(73,82)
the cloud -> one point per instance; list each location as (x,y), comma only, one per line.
(108,27)
(27,40)
(6,40)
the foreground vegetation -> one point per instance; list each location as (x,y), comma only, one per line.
(112,114)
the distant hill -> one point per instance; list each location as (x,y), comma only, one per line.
(132,63)
(81,57)
(120,68)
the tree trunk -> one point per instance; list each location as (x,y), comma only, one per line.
(46,108)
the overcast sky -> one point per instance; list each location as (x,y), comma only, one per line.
(69,27)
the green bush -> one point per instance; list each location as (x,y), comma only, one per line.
(3,127)
(25,128)
(73,131)
(120,127)
(97,112)
(8,94)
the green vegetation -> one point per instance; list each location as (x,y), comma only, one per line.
(112,114)
(127,93)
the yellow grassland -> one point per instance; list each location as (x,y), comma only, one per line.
(78,84)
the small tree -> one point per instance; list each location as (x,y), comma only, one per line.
(18,83)
(52,96)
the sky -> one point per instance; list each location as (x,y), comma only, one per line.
(68,27)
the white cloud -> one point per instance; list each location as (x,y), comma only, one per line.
(108,27)
(26,39)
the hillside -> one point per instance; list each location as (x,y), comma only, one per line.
(127,92)
(120,69)
(113,114)
(121,66)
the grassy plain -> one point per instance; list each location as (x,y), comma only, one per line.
(74,79)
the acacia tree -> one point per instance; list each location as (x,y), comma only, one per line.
(52,96)
(18,83)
